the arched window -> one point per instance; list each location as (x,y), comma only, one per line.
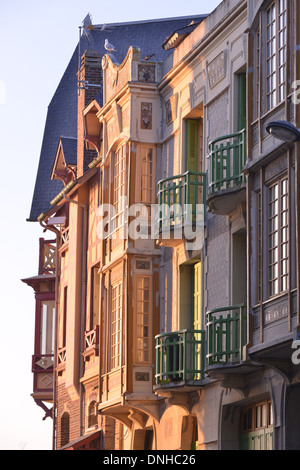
(92,414)
(65,429)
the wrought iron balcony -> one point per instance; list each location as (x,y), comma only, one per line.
(180,357)
(226,335)
(227,158)
(181,200)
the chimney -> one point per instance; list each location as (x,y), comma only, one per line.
(90,71)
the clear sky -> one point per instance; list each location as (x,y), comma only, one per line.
(37,40)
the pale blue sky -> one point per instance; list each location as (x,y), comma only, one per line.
(37,40)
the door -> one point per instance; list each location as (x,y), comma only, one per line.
(257,427)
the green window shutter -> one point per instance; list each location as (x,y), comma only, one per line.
(191,145)
(242,101)
(197,296)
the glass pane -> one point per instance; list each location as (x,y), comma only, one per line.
(47,327)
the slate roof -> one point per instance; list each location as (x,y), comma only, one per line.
(62,111)
(69,146)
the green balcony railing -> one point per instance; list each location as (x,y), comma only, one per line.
(180,356)
(226,334)
(181,198)
(227,158)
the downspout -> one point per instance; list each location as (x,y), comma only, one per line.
(57,271)
(83,296)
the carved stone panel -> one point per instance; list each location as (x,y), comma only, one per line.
(146,73)
(146,115)
(216,70)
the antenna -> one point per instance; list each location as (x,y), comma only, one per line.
(87,25)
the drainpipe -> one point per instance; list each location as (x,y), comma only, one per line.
(83,295)
(57,271)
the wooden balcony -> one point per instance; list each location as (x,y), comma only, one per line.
(226,187)
(61,360)
(47,256)
(180,358)
(181,200)
(64,239)
(91,343)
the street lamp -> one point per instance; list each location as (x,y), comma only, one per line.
(284,130)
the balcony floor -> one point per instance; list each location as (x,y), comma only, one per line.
(226,201)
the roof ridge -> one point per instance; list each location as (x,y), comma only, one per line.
(154,20)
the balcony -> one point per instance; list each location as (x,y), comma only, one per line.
(180,358)
(61,360)
(226,338)
(181,202)
(91,343)
(64,239)
(226,188)
(47,257)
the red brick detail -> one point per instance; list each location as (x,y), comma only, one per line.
(91,72)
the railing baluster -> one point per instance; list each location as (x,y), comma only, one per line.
(180,191)
(225,334)
(227,161)
(173,351)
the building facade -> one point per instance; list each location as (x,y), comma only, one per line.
(174,272)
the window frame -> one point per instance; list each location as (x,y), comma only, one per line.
(116,320)
(151,188)
(140,351)
(264,56)
(253,407)
(118,179)
(280,242)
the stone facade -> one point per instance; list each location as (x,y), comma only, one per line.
(170,344)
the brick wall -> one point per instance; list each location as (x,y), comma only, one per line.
(90,71)
(113,431)
(66,405)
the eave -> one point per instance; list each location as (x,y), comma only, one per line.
(70,189)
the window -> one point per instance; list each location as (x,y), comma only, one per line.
(92,414)
(116,320)
(143,320)
(259,245)
(64,319)
(274,39)
(95,298)
(257,416)
(65,429)
(278,237)
(47,327)
(147,175)
(257,72)
(119,172)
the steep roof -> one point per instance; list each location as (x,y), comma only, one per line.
(69,146)
(61,119)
